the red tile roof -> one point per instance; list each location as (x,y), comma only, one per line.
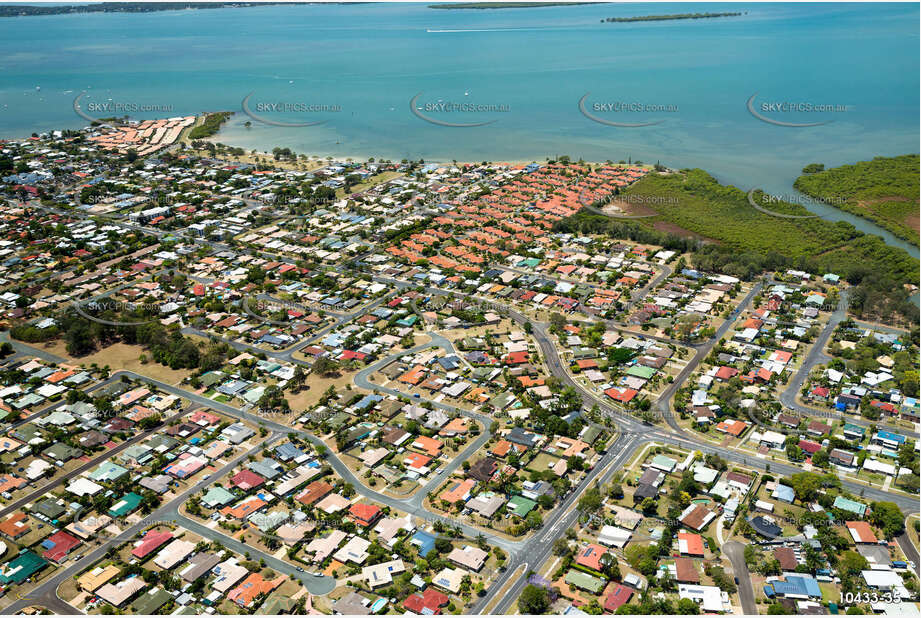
(152,540)
(364,514)
(59,545)
(246,480)
(429,601)
(620,596)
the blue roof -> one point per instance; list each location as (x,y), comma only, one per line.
(800,585)
(368,400)
(333,340)
(425,541)
(288,450)
(784,492)
(888,435)
(449,363)
(789,588)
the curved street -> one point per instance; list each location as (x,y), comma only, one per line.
(533,551)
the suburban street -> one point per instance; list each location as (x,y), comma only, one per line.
(736,553)
(532,552)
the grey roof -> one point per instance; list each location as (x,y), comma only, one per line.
(199,565)
(351,604)
(157,484)
(288,451)
(267,468)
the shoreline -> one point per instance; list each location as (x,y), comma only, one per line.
(827,213)
(367,159)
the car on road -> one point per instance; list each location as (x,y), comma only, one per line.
(299,569)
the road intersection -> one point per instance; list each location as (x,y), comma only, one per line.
(531,552)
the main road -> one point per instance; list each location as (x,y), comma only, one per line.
(531,552)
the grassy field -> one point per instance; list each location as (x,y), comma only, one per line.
(370,182)
(884,190)
(122,356)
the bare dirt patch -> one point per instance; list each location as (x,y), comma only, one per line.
(668,227)
(633,209)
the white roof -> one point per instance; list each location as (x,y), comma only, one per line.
(83,487)
(612,536)
(874,465)
(882,579)
(710,598)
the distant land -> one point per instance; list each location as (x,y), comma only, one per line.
(18,10)
(669,17)
(504,5)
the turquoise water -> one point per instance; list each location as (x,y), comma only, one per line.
(535,64)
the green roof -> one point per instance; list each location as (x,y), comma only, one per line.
(338,420)
(277,604)
(851,506)
(661,461)
(639,371)
(502,400)
(591,434)
(149,602)
(584,581)
(212,377)
(851,427)
(217,496)
(520,506)
(49,508)
(22,567)
(62,451)
(107,471)
(126,504)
